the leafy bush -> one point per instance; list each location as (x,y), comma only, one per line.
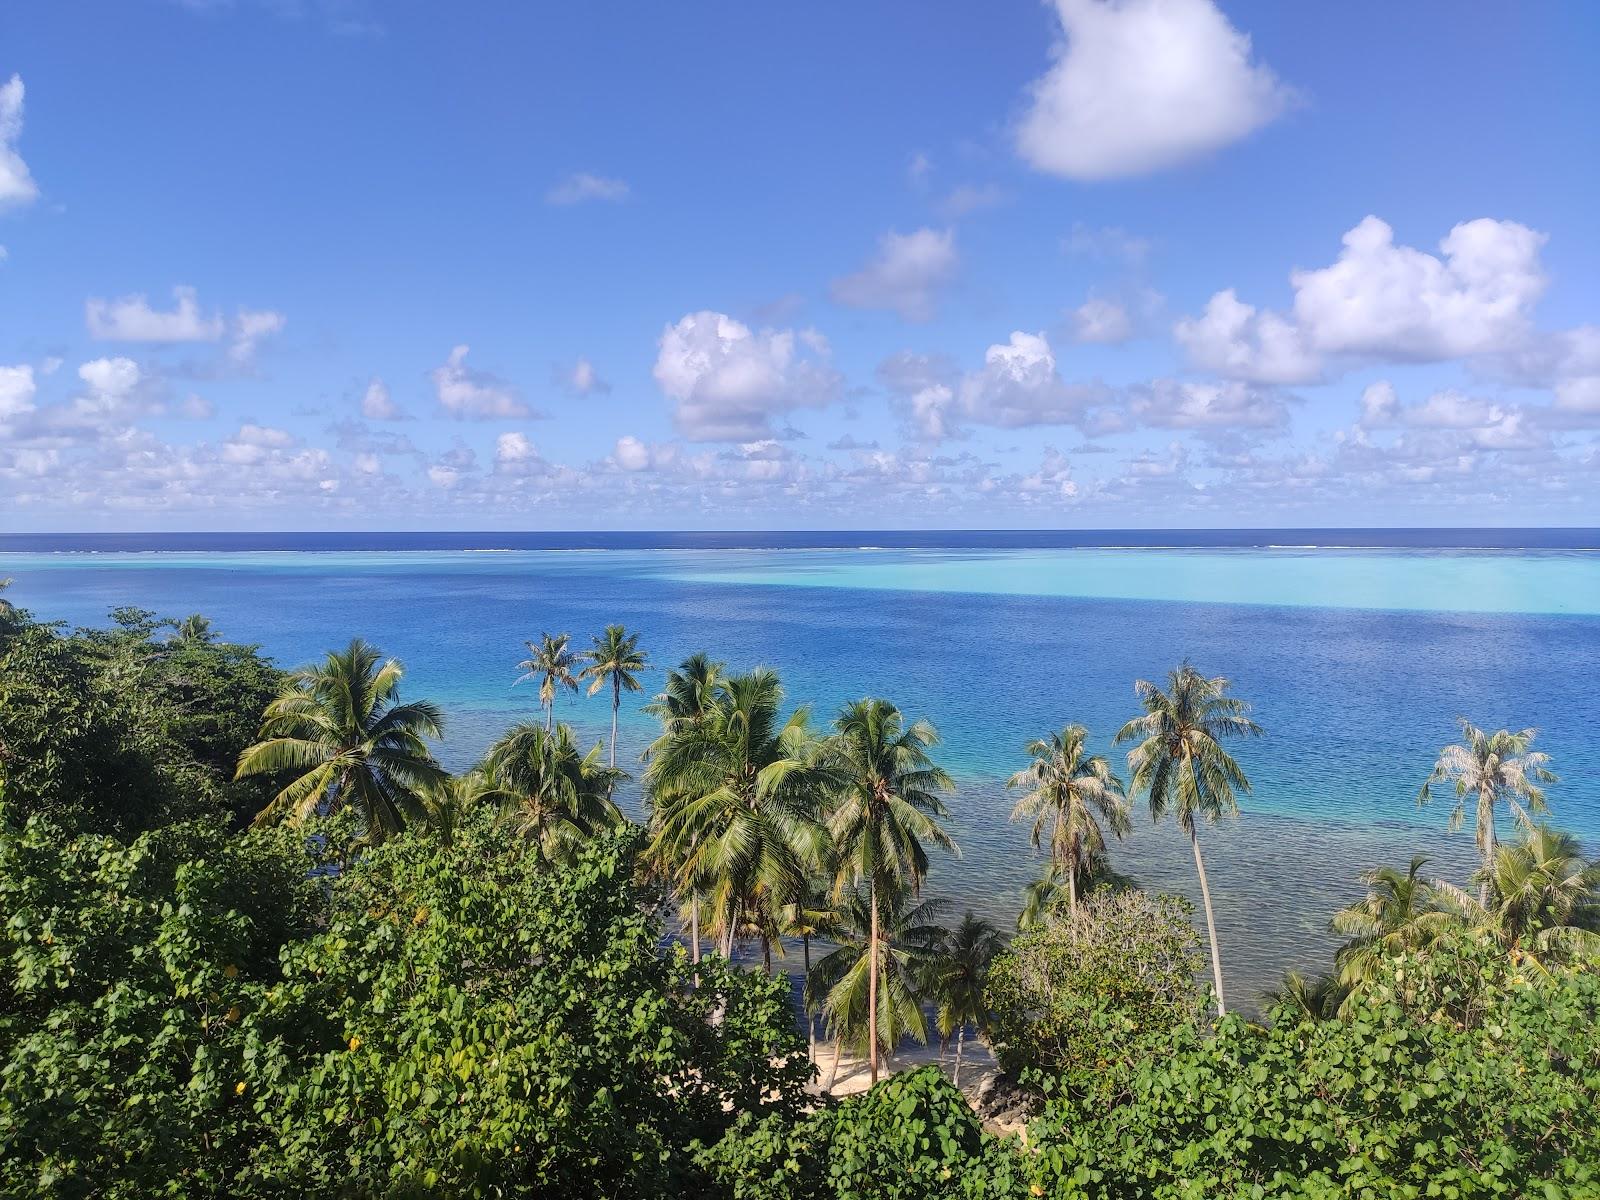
(912,1136)
(129,970)
(1072,996)
(1457,1075)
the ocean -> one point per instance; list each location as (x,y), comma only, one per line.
(1357,648)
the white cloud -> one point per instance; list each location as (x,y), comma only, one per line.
(582,379)
(1381,302)
(249,328)
(111,383)
(196,408)
(1139,85)
(1235,339)
(631,454)
(254,444)
(131,319)
(1482,424)
(971,198)
(377,404)
(1380,406)
(463,392)
(729,381)
(16,182)
(516,454)
(582,186)
(17,390)
(1101,321)
(1228,407)
(1019,385)
(906,274)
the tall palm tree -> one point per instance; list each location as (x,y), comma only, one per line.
(870,988)
(956,978)
(886,807)
(811,914)
(1179,763)
(1067,786)
(341,724)
(1398,913)
(736,795)
(617,659)
(689,696)
(548,792)
(550,661)
(450,802)
(1491,767)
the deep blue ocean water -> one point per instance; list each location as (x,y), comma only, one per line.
(1357,648)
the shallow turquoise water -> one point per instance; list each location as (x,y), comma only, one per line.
(1357,663)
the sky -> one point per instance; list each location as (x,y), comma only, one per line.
(392,264)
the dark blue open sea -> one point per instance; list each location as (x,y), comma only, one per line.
(1358,649)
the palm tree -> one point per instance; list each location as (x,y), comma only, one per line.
(615,657)
(735,796)
(1543,897)
(1068,787)
(1491,767)
(548,792)
(810,915)
(194,630)
(868,988)
(449,803)
(957,976)
(342,726)
(1043,897)
(886,808)
(689,696)
(550,662)
(1317,999)
(1180,765)
(1398,913)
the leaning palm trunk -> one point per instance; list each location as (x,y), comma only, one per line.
(811,1017)
(1211,924)
(872,983)
(838,1048)
(616,703)
(961,1038)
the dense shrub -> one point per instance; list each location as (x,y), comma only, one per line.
(1075,995)
(1458,1075)
(128,972)
(912,1136)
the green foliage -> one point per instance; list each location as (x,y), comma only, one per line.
(1456,1074)
(1087,989)
(132,976)
(472,1023)
(118,731)
(912,1136)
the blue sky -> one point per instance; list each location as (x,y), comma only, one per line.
(363,264)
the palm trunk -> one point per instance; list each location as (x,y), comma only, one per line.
(961,1038)
(1489,845)
(838,1048)
(694,929)
(811,1020)
(616,702)
(872,981)
(766,955)
(1211,923)
(1072,887)
(550,716)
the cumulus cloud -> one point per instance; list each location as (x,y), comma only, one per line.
(17,390)
(1482,423)
(254,444)
(1208,408)
(464,392)
(110,383)
(1101,321)
(582,379)
(377,404)
(1381,302)
(905,275)
(583,186)
(1140,85)
(249,328)
(729,381)
(132,319)
(16,182)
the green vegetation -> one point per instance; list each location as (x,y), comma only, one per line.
(258,942)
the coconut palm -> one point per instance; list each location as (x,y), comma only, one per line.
(869,988)
(550,662)
(1543,897)
(956,976)
(549,792)
(1180,765)
(1045,896)
(617,659)
(1491,768)
(449,803)
(735,795)
(1316,999)
(689,696)
(341,725)
(811,914)
(886,808)
(1066,788)
(1398,913)
(194,630)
